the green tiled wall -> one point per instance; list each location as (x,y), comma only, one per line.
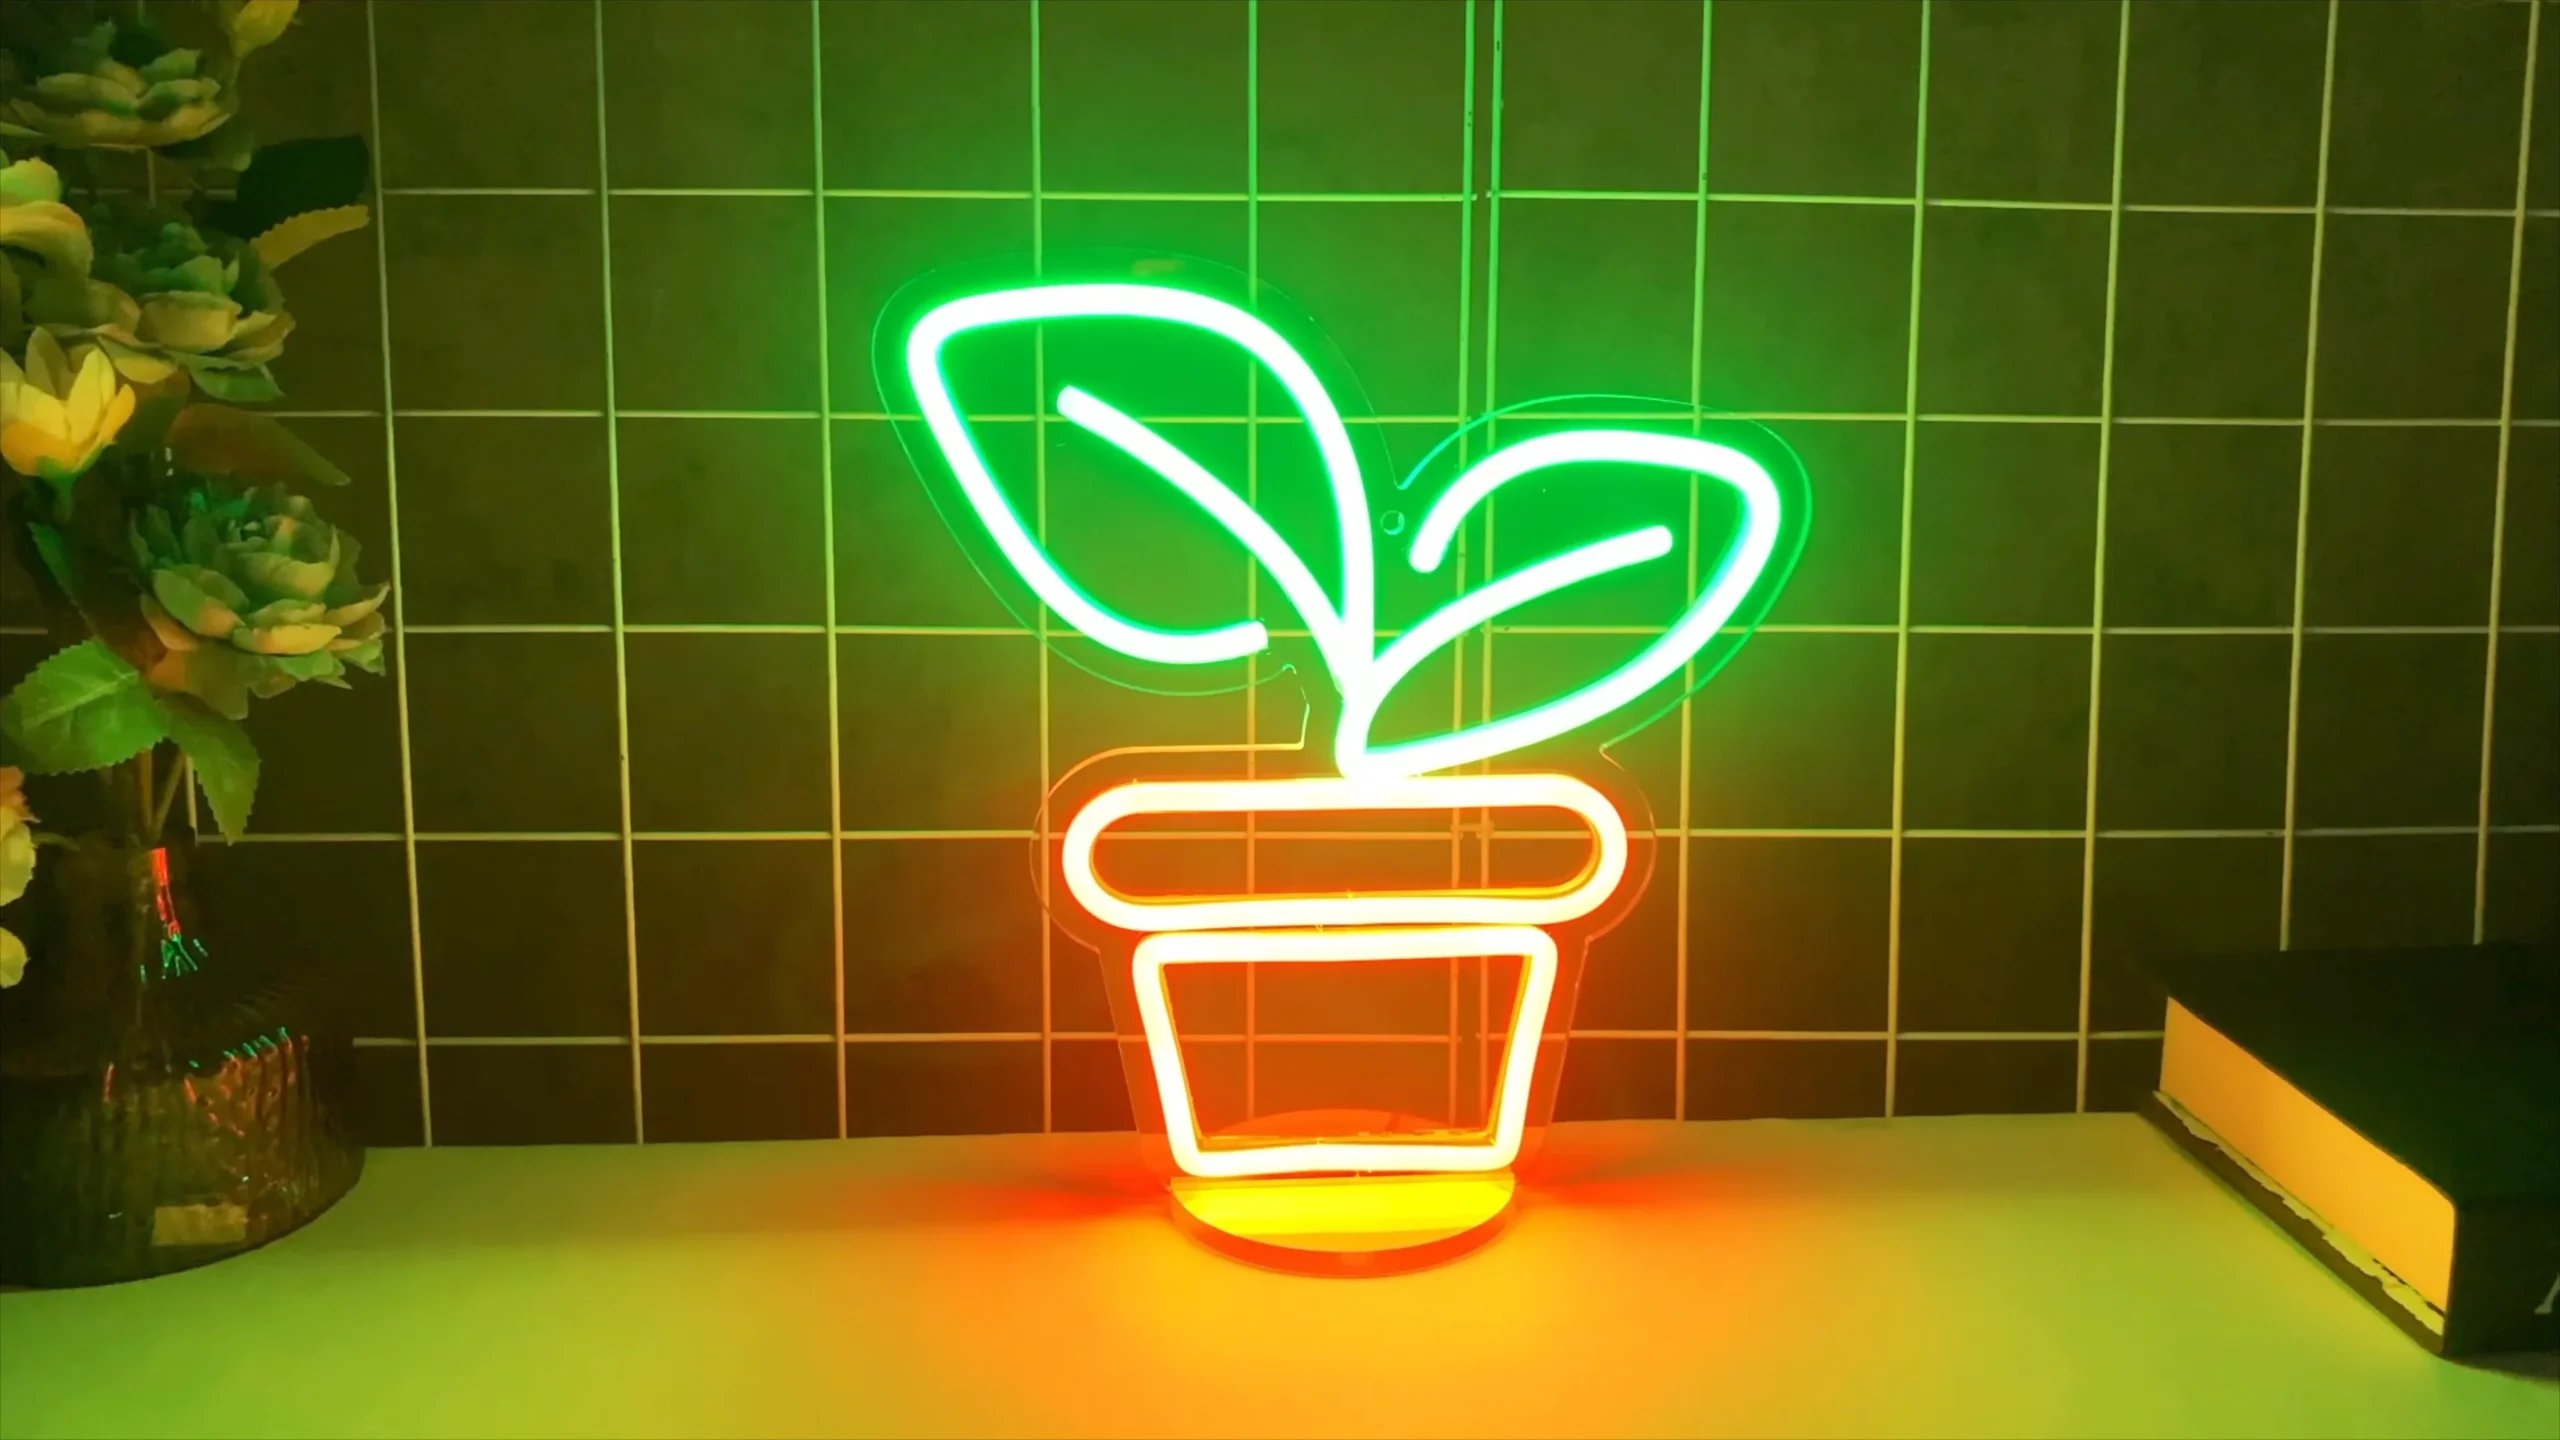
(2178,382)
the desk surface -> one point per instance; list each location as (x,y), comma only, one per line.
(2052,1275)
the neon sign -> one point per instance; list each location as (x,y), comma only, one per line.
(1146,939)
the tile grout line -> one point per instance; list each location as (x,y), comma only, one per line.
(1458,571)
(2302,491)
(1702,832)
(2498,508)
(1902,588)
(1484,669)
(1355,1037)
(1040,503)
(2098,581)
(1253,499)
(400,599)
(1680,898)
(613,551)
(827,544)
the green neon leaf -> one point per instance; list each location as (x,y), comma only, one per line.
(1734,588)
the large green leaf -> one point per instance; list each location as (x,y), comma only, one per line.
(226,762)
(81,709)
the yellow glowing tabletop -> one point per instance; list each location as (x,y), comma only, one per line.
(2049,1275)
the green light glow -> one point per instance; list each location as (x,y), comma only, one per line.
(1344,627)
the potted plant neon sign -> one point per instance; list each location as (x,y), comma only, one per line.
(1324,1196)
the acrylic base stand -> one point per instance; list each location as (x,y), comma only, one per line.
(1344,1224)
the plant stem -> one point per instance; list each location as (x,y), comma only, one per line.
(169,787)
(142,794)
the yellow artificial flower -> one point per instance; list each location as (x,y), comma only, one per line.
(62,411)
(255,24)
(17,865)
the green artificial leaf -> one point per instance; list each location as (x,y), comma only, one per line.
(287,179)
(225,761)
(82,709)
(241,387)
(219,440)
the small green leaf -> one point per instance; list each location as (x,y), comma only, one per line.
(225,760)
(241,387)
(81,709)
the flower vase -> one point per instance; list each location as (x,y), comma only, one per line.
(166,1099)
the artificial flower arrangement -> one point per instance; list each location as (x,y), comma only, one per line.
(181,571)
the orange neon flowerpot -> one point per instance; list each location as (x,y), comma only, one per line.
(1340,1159)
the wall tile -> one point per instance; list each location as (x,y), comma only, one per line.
(2428,99)
(2413,312)
(708,95)
(735,937)
(940,936)
(1595,297)
(461,108)
(513,732)
(2013,311)
(924,95)
(497,301)
(695,765)
(2212,314)
(1785,1079)
(531,1094)
(1362,98)
(1600,96)
(721,522)
(2200,524)
(505,521)
(1990,934)
(2154,899)
(1808,307)
(2022,100)
(942,1088)
(1985,1077)
(2402,520)
(2192,731)
(1814,98)
(1788,934)
(715,303)
(2362,891)
(1144,95)
(2390,730)
(2004,524)
(523,938)
(2222,102)
(1618,1080)
(1796,732)
(1996,732)
(739,1092)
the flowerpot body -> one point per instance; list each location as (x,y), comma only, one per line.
(166,1098)
(1300,1039)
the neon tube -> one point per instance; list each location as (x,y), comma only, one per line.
(1024,552)
(1520,1056)
(1526,906)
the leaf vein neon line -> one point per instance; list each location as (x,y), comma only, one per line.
(1331,632)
